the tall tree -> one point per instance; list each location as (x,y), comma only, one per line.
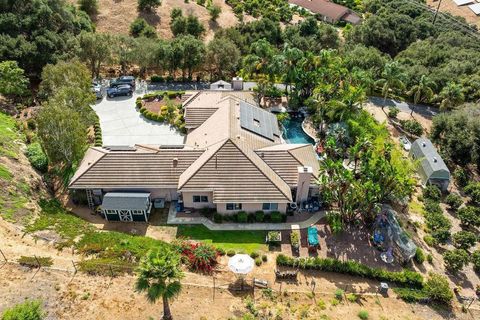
(190,52)
(64,74)
(37,32)
(392,79)
(95,49)
(62,133)
(89,6)
(144,53)
(159,277)
(12,79)
(123,51)
(422,91)
(223,57)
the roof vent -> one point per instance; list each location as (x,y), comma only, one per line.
(175,162)
(435,159)
(238,136)
(424,144)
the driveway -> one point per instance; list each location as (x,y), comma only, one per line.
(426,111)
(123,125)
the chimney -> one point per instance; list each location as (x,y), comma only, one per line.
(175,162)
(237,84)
(303,185)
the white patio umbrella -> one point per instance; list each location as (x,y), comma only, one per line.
(241,264)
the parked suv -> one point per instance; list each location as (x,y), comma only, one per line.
(130,80)
(120,90)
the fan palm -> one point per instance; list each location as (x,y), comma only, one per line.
(422,91)
(159,276)
(392,79)
(451,96)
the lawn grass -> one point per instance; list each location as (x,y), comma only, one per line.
(10,135)
(247,241)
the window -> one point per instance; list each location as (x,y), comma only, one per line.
(234,206)
(270,206)
(200,199)
(111,211)
(137,212)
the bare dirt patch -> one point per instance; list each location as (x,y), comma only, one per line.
(451,7)
(115,16)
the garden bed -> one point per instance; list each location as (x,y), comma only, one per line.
(163,107)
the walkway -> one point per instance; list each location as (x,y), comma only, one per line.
(173,219)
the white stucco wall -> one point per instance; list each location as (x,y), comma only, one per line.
(188,200)
(248,207)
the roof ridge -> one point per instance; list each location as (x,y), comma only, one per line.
(261,171)
(190,99)
(220,145)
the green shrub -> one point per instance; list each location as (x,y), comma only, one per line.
(438,289)
(264,258)
(454,201)
(339,294)
(430,258)
(473,191)
(242,217)
(476,260)
(405,277)
(469,216)
(353,297)
(393,112)
(254,255)
(429,240)
(28,310)
(217,218)
(412,126)
(259,216)
(464,239)
(419,256)
(230,253)
(156,79)
(146,5)
(455,259)
(221,251)
(334,220)
(461,177)
(37,157)
(410,295)
(276,217)
(363,314)
(37,262)
(140,28)
(258,262)
(89,6)
(432,192)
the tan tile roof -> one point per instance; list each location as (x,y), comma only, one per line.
(194,117)
(284,159)
(136,169)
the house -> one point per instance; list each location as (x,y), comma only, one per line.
(432,169)
(328,11)
(233,159)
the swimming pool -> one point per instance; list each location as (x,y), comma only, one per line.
(293,132)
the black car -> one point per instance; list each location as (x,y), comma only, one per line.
(120,90)
(130,80)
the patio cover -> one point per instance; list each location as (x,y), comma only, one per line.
(475,8)
(463,2)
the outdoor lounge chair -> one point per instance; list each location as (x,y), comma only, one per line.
(286,275)
(312,237)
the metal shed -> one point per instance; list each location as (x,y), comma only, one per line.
(126,206)
(432,169)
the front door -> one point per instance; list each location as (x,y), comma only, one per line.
(125,215)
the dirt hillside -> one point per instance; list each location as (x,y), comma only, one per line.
(115,16)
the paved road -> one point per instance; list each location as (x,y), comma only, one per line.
(424,110)
(123,125)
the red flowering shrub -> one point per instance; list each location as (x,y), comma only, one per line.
(200,257)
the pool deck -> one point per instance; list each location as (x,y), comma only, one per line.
(309,129)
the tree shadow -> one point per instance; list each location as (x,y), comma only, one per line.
(151,17)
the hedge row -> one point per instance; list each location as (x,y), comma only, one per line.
(161,94)
(98,133)
(403,278)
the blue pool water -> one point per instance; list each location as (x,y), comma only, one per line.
(293,132)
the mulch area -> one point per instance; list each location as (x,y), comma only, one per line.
(155,106)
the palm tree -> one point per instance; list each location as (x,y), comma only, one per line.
(422,91)
(451,96)
(392,79)
(159,276)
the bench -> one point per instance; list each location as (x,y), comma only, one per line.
(260,283)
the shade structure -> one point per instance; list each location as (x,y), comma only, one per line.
(241,264)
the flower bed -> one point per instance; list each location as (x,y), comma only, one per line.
(404,278)
(199,257)
(163,106)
